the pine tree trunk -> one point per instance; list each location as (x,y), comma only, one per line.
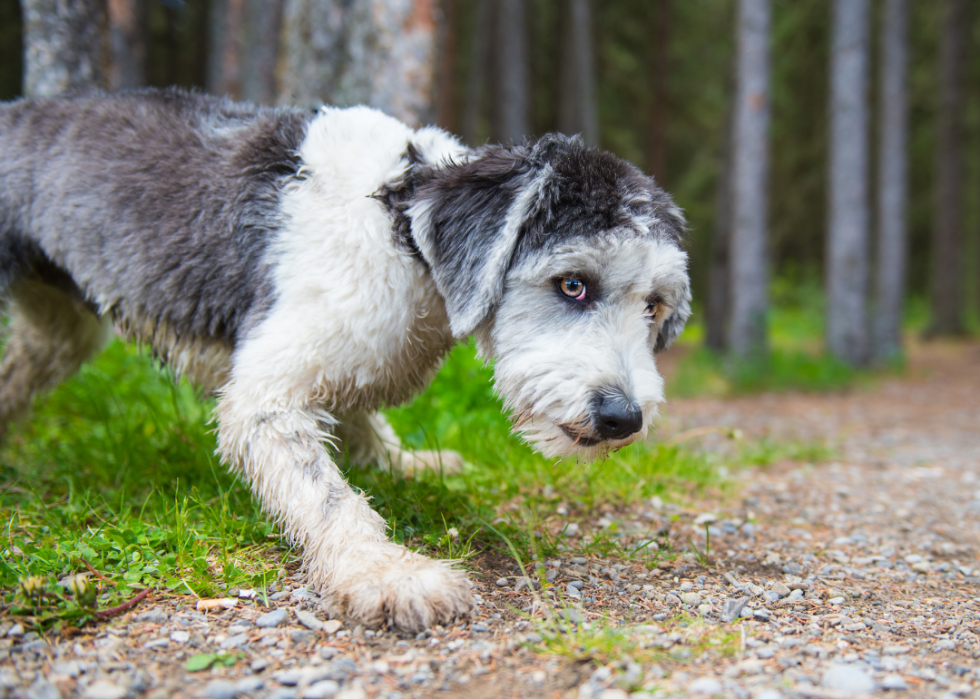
(66,46)
(660,69)
(479,76)
(947,245)
(892,182)
(225,55)
(511,101)
(262,23)
(577,99)
(376,52)
(446,79)
(127,33)
(847,234)
(718,308)
(749,277)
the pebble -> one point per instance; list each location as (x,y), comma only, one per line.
(249,684)
(234,641)
(579,560)
(332,627)
(324,689)
(705,685)
(732,608)
(690,598)
(271,619)
(502,582)
(16,631)
(220,689)
(781,590)
(101,689)
(153,616)
(42,689)
(893,682)
(848,678)
(180,637)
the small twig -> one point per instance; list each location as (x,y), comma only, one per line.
(124,606)
(93,571)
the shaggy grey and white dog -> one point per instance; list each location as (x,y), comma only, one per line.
(310,268)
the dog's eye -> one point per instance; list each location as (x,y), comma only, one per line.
(572,288)
(652,310)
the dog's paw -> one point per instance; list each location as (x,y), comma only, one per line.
(443,460)
(400,587)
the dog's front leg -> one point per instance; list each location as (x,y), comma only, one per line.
(347,554)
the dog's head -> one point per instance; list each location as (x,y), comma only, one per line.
(565,263)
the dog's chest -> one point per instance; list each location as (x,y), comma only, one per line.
(356,322)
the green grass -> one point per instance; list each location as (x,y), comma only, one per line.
(116,470)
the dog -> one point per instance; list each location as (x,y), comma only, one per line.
(309,268)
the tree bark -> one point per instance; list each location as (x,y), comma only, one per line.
(376,52)
(660,69)
(262,23)
(511,104)
(747,334)
(947,245)
(66,46)
(892,182)
(718,306)
(446,78)
(127,33)
(847,234)
(225,55)
(577,113)
(478,79)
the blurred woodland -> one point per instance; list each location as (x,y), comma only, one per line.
(733,105)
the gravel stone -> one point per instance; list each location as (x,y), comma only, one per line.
(333,626)
(893,682)
(847,678)
(732,608)
(271,619)
(220,689)
(234,641)
(324,689)
(101,689)
(502,582)
(780,589)
(42,689)
(308,619)
(705,685)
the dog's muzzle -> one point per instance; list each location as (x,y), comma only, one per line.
(615,416)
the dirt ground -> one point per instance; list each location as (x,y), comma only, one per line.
(849,577)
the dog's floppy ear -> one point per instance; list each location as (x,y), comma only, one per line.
(673,326)
(467,219)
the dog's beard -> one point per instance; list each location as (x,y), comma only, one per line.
(551,403)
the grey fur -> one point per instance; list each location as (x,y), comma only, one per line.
(159,204)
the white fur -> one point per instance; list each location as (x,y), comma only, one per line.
(358,322)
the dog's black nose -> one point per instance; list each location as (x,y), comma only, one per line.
(616,417)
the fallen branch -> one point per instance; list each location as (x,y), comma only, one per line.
(93,571)
(124,606)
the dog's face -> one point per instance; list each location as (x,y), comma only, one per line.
(565,264)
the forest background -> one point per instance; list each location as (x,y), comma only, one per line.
(658,78)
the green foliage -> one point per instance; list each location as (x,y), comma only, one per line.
(115,472)
(205,661)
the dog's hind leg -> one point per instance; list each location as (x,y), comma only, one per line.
(368,439)
(278,444)
(51,333)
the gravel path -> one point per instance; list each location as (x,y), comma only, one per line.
(849,578)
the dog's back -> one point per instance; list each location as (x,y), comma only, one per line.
(150,208)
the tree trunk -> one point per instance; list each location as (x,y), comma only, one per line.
(376,52)
(446,79)
(718,306)
(947,246)
(577,99)
(892,182)
(660,69)
(127,33)
(847,234)
(511,103)
(262,22)
(225,55)
(749,278)
(478,79)
(66,46)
